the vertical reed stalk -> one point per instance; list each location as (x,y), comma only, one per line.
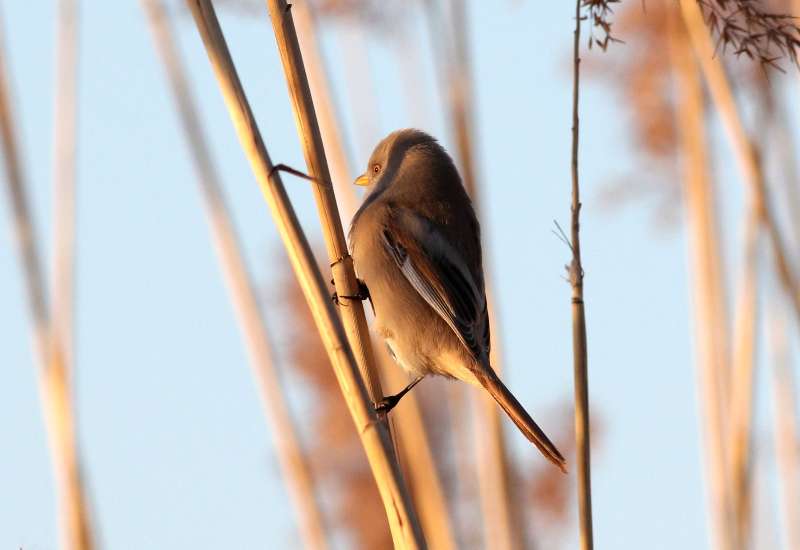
(787,444)
(295,467)
(374,436)
(502,529)
(54,388)
(744,149)
(64,174)
(579,346)
(705,262)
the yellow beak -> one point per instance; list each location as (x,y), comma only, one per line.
(363,179)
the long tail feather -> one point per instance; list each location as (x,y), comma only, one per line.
(520,417)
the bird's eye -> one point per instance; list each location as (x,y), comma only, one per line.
(376,168)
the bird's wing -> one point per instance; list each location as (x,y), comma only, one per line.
(439,273)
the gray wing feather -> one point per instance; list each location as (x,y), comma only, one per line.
(436,270)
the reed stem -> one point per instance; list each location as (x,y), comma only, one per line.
(374,435)
(293,463)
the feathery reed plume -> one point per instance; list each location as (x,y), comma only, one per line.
(296,471)
(750,30)
(54,384)
(741,143)
(705,262)
(64,174)
(579,346)
(787,444)
(374,435)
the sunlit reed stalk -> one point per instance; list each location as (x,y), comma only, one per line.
(579,346)
(64,176)
(321,90)
(744,149)
(742,383)
(415,448)
(375,438)
(787,444)
(294,466)
(311,140)
(704,248)
(416,455)
(54,388)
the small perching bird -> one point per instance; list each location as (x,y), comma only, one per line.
(416,246)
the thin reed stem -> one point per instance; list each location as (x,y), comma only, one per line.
(374,435)
(579,347)
(293,463)
(54,387)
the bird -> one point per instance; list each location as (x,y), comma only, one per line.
(416,248)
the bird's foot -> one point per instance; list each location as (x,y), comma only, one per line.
(363,294)
(389,402)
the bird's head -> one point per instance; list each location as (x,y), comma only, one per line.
(390,153)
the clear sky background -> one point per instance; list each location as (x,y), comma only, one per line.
(176,451)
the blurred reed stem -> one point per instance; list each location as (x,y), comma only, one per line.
(743,146)
(787,444)
(742,383)
(64,175)
(706,281)
(329,120)
(294,466)
(579,346)
(503,528)
(373,433)
(54,386)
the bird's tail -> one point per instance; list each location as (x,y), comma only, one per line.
(520,416)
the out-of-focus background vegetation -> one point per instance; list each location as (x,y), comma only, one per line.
(174,446)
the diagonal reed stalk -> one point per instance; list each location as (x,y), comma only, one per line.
(579,346)
(64,174)
(374,435)
(743,146)
(295,467)
(54,386)
(704,246)
(344,276)
(414,446)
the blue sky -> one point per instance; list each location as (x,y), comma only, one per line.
(176,451)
